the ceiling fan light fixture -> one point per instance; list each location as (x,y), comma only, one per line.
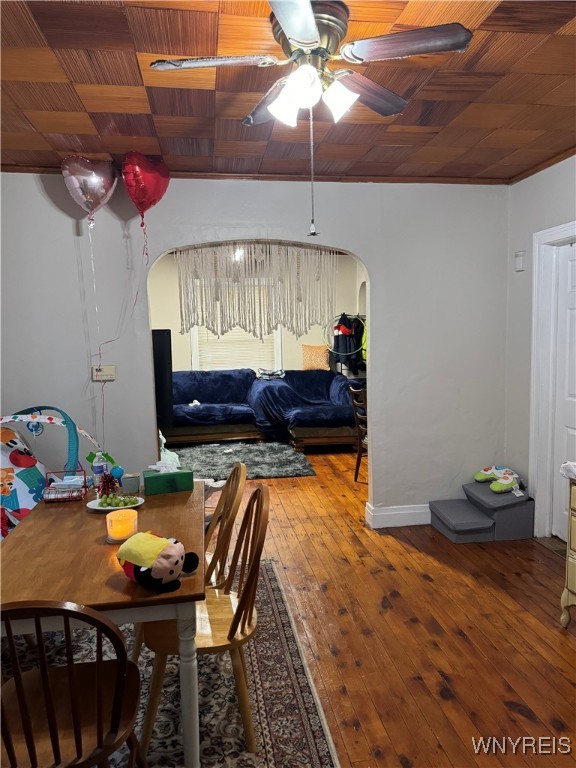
(338,99)
(302,90)
(305,86)
(284,109)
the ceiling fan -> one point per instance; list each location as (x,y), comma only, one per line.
(310,33)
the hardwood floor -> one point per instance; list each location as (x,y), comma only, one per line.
(418,646)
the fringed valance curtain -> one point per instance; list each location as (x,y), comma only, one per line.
(256,285)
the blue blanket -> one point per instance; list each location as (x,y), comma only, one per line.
(212,397)
(302,399)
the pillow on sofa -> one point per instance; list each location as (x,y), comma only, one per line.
(315,358)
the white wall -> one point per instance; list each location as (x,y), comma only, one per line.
(164,305)
(436,260)
(545,200)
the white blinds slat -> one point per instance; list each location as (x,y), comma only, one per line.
(235,349)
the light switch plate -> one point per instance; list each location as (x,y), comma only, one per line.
(520,261)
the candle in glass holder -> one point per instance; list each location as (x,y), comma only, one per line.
(121,524)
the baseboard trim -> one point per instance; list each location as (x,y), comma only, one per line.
(394,517)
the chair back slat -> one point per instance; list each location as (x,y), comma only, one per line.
(7,739)
(360,407)
(223,520)
(245,561)
(99,692)
(45,684)
(235,577)
(47,690)
(359,400)
(21,696)
(73,688)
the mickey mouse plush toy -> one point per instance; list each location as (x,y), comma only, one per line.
(155,562)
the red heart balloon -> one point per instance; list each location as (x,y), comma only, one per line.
(146,180)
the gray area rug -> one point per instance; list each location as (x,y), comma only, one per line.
(215,460)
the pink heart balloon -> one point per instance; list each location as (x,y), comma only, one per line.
(146,180)
(90,182)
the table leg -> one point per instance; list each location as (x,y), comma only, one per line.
(189,684)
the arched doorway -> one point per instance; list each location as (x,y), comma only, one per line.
(164,297)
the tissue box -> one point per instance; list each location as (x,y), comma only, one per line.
(167,482)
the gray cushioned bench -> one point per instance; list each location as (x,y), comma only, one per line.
(460,521)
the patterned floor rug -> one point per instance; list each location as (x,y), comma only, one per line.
(215,460)
(288,720)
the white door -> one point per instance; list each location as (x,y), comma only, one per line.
(565,408)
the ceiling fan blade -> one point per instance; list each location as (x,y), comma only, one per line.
(260,113)
(445,37)
(297,21)
(167,65)
(372,95)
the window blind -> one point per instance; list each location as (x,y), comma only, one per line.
(235,349)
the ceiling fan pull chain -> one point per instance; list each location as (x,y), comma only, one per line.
(312,232)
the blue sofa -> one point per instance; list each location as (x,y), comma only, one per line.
(304,407)
(208,406)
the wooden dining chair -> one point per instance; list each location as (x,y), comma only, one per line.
(226,620)
(360,406)
(219,528)
(57,708)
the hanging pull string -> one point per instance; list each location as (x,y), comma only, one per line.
(312,232)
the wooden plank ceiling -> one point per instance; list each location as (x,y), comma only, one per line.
(76,80)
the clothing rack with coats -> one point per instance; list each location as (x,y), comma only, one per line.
(350,342)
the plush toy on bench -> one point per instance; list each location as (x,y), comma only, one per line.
(501,479)
(155,562)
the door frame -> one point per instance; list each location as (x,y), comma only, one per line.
(545,246)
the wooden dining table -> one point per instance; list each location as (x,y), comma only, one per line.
(59,552)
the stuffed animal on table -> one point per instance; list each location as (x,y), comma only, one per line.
(156,562)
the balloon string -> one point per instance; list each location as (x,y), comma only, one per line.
(90,225)
(145,230)
(108,341)
(103,419)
